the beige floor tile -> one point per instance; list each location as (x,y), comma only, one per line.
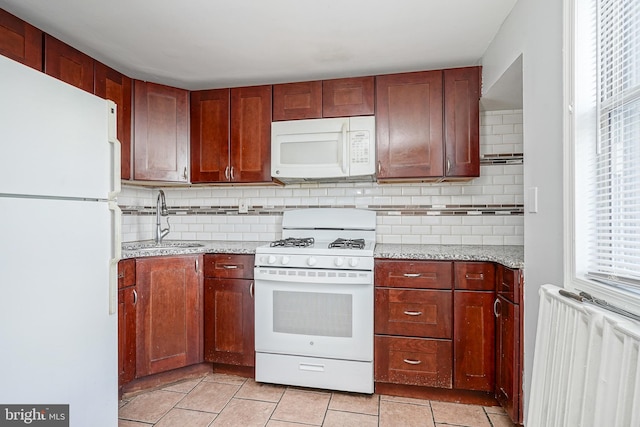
(352,402)
(259,391)
(501,420)
(456,413)
(276,423)
(394,414)
(183,386)
(224,378)
(209,397)
(405,400)
(349,419)
(308,407)
(494,410)
(244,413)
(126,423)
(150,407)
(186,418)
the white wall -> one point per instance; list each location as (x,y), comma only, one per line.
(484,211)
(534,29)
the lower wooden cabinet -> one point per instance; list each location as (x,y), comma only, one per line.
(169,313)
(413,361)
(127,299)
(228,310)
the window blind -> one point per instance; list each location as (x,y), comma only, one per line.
(614,177)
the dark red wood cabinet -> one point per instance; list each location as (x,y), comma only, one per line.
(161,122)
(127,299)
(169,313)
(228,310)
(231,135)
(508,312)
(346,97)
(110,84)
(68,64)
(427,125)
(20,41)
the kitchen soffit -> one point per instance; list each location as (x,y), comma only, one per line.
(200,44)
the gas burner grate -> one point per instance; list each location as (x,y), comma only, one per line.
(347,243)
(293,242)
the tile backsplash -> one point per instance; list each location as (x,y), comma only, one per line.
(485,211)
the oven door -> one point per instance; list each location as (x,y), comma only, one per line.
(318,313)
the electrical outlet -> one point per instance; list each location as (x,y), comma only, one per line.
(243,206)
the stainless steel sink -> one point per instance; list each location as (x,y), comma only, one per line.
(150,246)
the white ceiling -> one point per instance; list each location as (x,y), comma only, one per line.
(197,44)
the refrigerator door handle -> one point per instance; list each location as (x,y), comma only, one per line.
(112,114)
(116,254)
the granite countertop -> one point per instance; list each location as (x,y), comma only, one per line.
(509,256)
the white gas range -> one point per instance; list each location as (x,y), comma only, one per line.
(314,301)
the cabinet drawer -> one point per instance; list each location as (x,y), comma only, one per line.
(417,313)
(226,266)
(509,284)
(413,274)
(474,276)
(413,361)
(126,273)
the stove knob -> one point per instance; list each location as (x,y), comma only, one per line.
(339,262)
(312,261)
(285,260)
(353,262)
(271,259)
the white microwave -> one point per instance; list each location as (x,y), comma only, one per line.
(323,149)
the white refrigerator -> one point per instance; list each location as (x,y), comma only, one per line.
(59,248)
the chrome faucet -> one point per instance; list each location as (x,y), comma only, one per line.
(161,210)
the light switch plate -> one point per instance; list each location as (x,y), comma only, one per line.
(533,200)
(243,206)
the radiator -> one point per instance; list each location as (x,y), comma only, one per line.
(586,370)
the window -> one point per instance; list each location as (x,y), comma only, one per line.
(603,90)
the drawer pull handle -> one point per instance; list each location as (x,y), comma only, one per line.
(251,290)
(413,313)
(410,275)
(479,276)
(412,362)
(229,266)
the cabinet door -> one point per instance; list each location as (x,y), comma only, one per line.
(210,136)
(348,97)
(292,101)
(110,84)
(126,335)
(68,64)
(161,117)
(474,341)
(508,370)
(409,125)
(462,122)
(20,41)
(169,314)
(229,322)
(251,134)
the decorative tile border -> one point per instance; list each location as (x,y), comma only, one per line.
(381,210)
(502,159)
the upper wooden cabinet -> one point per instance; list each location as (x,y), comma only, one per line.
(68,64)
(161,117)
(328,98)
(231,135)
(110,84)
(427,125)
(293,101)
(409,125)
(462,122)
(20,41)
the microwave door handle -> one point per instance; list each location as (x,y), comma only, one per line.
(345,146)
